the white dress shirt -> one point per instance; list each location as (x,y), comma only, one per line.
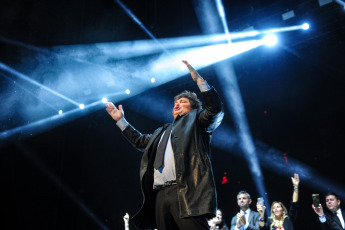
(246,216)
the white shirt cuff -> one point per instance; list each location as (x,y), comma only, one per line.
(322,219)
(122,123)
(203,86)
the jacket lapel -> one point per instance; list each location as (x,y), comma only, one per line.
(250,217)
(157,133)
(336,219)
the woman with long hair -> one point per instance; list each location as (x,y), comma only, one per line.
(280,218)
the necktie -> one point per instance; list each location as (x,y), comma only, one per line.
(161,148)
(244,213)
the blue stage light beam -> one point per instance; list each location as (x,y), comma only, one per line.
(227,76)
(272,159)
(13,72)
(167,69)
(131,49)
(283,29)
(28,91)
(42,125)
(58,183)
(270,40)
(237,110)
(101,52)
(116,94)
(221,14)
(162,68)
(232,91)
(52,52)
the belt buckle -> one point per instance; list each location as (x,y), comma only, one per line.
(168,183)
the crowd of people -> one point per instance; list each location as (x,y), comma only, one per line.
(176,175)
(280,217)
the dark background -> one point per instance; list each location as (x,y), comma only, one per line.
(83,174)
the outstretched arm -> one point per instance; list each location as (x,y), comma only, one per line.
(211,117)
(295,183)
(138,140)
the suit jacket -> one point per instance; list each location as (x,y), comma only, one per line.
(333,222)
(190,141)
(253,220)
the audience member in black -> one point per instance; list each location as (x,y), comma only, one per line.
(280,218)
(334,218)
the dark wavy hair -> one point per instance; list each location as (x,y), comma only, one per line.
(332,194)
(193,99)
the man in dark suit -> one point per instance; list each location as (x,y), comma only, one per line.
(175,171)
(246,219)
(334,219)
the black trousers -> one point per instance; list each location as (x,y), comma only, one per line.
(167,213)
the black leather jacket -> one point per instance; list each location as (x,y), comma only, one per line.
(190,139)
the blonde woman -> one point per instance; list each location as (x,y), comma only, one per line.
(280,218)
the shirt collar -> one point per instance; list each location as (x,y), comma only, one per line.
(247,211)
(178,117)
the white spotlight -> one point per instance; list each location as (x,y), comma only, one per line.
(82,106)
(128,91)
(60,111)
(305,26)
(104,100)
(153,80)
(270,40)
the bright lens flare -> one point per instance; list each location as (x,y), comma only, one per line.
(305,26)
(270,40)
